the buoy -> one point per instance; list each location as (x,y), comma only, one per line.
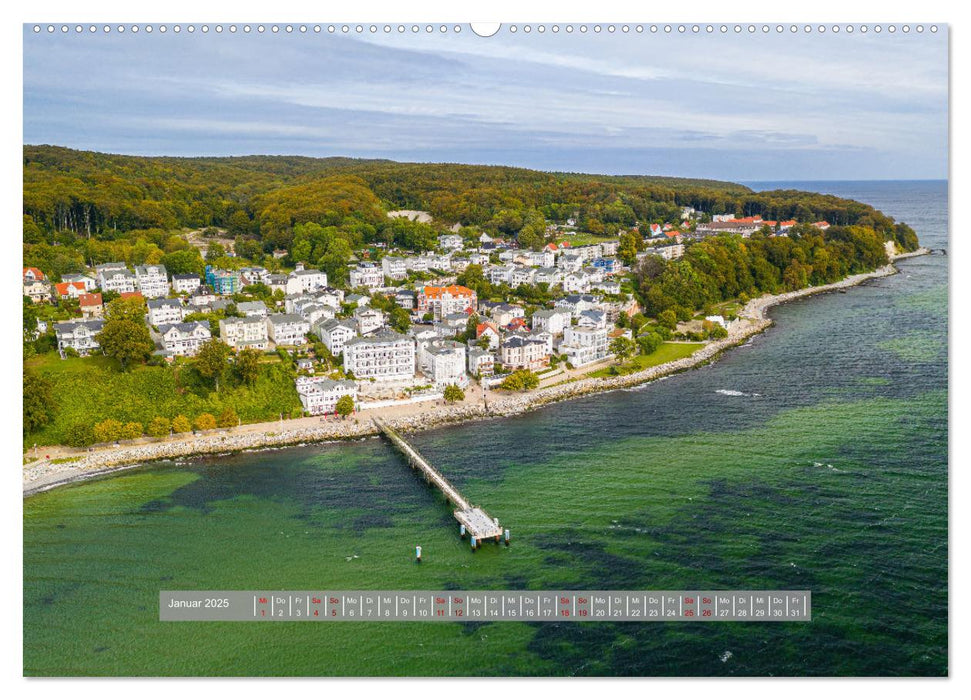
(462,531)
(472,543)
(418,554)
(506,533)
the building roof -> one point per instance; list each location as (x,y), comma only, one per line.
(90,300)
(455,290)
(160,303)
(382,336)
(183,327)
(187,276)
(37,273)
(131,295)
(285,318)
(95,324)
(63,287)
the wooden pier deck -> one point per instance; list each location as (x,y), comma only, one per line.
(477,522)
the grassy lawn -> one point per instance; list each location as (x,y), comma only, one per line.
(582,238)
(668,352)
(91,389)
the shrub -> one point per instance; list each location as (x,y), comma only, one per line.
(345,406)
(228,418)
(79,435)
(159,427)
(71,352)
(453,393)
(132,430)
(108,430)
(205,421)
(181,424)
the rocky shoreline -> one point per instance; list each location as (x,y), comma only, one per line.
(752,320)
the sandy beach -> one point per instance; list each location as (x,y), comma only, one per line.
(58,465)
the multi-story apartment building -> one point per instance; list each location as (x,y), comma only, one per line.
(481,362)
(185,284)
(248,332)
(443,362)
(520,352)
(302,281)
(184,339)
(334,334)
(394,267)
(164,311)
(553,320)
(223,281)
(583,345)
(287,329)
(368,320)
(153,281)
(386,356)
(442,301)
(116,277)
(320,395)
(79,335)
(367,275)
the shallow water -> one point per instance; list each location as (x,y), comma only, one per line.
(813,457)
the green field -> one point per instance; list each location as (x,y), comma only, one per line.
(91,389)
(668,352)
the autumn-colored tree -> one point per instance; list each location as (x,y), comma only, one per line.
(181,424)
(159,426)
(205,421)
(108,430)
(228,418)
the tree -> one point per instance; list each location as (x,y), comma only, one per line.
(38,401)
(399,320)
(248,364)
(520,380)
(131,431)
(345,406)
(453,393)
(30,320)
(228,418)
(124,335)
(205,421)
(649,343)
(108,430)
(212,360)
(668,319)
(181,424)
(159,427)
(623,348)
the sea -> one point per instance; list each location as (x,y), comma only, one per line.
(812,457)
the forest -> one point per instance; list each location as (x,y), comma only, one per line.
(83,208)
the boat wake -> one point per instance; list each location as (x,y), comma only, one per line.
(733,392)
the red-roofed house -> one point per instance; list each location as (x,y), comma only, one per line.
(673,234)
(69,290)
(442,301)
(786,225)
(32,274)
(489,330)
(91,305)
(821,225)
(131,295)
(517,324)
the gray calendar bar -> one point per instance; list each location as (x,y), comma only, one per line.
(475,606)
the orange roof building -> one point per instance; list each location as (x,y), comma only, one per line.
(442,301)
(70,290)
(32,274)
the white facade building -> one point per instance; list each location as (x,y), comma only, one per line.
(367,275)
(287,329)
(584,345)
(184,339)
(164,311)
(554,321)
(303,281)
(387,356)
(248,332)
(79,335)
(116,277)
(443,362)
(185,284)
(520,352)
(320,395)
(153,281)
(334,334)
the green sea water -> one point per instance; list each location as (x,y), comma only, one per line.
(814,457)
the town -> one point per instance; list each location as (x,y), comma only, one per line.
(386,336)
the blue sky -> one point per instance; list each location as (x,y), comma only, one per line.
(738,107)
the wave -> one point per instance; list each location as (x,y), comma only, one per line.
(733,392)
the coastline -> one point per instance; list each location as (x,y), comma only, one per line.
(752,320)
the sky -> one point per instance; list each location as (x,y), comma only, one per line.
(736,107)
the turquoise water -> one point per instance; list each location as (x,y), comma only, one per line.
(824,468)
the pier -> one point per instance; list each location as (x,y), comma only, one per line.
(473,520)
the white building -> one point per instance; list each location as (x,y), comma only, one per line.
(164,311)
(184,339)
(481,362)
(443,362)
(153,281)
(185,284)
(522,275)
(248,332)
(320,395)
(116,277)
(520,352)
(500,273)
(302,281)
(394,267)
(79,335)
(368,320)
(367,275)
(88,281)
(554,321)
(450,241)
(583,345)
(386,356)
(255,309)
(287,329)
(334,334)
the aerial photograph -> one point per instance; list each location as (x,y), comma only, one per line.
(546,350)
